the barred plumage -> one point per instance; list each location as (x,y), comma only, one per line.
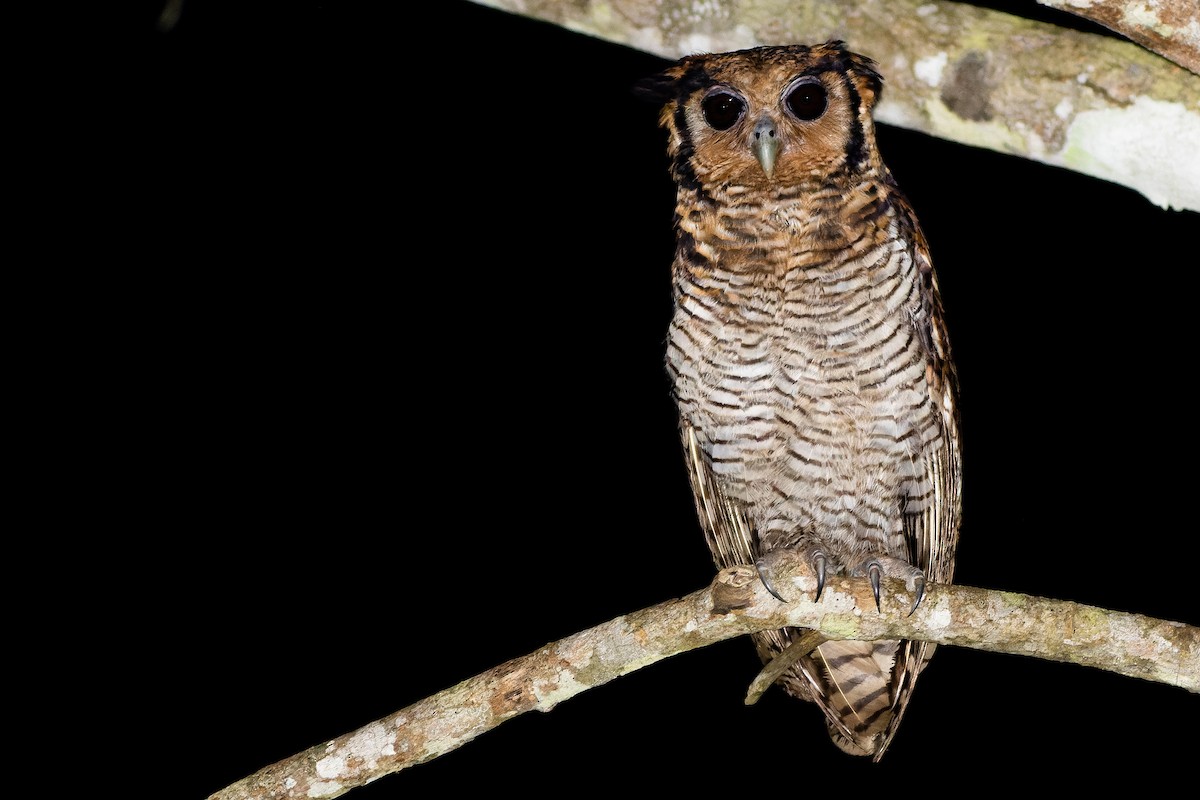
(807,351)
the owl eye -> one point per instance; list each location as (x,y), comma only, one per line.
(722,110)
(806,99)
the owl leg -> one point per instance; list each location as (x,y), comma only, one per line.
(879,566)
(809,552)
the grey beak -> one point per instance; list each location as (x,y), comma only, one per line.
(765,144)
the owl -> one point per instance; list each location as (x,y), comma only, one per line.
(808,353)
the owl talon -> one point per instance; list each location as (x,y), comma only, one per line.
(819,563)
(920,590)
(874,572)
(762,576)
(879,567)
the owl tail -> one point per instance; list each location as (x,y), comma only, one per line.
(857,694)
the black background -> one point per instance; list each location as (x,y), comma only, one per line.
(388,369)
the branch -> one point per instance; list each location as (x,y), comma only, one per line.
(1170,28)
(1094,104)
(735,604)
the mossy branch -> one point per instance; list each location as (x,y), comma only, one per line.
(735,604)
(1091,103)
(1170,28)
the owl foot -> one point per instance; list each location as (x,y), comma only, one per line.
(877,567)
(767,581)
(809,554)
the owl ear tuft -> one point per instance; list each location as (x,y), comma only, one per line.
(680,80)
(866,77)
(660,88)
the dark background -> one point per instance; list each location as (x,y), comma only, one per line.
(387,368)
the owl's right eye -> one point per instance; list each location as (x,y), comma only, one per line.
(722,110)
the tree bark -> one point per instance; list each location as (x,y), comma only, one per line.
(1170,28)
(735,604)
(1090,103)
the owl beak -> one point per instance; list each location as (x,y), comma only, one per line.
(765,144)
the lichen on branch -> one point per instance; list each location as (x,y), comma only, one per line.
(1094,104)
(1004,622)
(1170,28)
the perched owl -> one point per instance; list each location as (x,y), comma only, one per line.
(809,358)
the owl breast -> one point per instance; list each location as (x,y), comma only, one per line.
(805,377)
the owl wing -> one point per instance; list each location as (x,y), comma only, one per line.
(730,536)
(931,523)
(726,528)
(932,516)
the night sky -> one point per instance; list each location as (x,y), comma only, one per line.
(397,380)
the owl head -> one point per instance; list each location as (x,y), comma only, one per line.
(768,116)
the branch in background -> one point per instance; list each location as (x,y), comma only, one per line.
(168,18)
(1094,104)
(1170,28)
(734,605)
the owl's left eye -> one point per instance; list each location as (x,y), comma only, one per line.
(806,99)
(722,110)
